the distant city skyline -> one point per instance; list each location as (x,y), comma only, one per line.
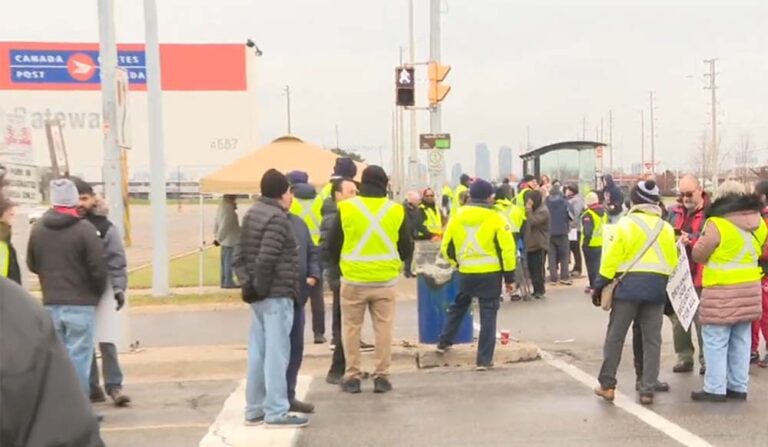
(505,162)
(482,161)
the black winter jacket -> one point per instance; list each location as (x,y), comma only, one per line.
(41,402)
(267,257)
(330,268)
(68,256)
(309,263)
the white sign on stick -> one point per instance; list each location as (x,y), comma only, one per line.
(680,288)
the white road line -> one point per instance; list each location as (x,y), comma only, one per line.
(229,430)
(654,420)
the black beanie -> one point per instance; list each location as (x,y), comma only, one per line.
(645,192)
(345,167)
(274,184)
(375,176)
(82,186)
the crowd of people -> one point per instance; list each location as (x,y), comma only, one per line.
(352,238)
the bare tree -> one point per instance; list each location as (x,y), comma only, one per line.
(744,155)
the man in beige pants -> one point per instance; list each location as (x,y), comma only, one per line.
(369,239)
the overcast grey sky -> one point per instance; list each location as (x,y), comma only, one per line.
(516,63)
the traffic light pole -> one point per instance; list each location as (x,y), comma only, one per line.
(413,159)
(437,160)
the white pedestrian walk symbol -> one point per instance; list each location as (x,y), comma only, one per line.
(405,77)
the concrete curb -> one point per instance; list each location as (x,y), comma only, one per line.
(465,355)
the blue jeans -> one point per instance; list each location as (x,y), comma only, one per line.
(487,289)
(75,326)
(110,368)
(269,347)
(227,281)
(726,350)
(297,351)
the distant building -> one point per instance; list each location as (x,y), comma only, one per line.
(505,161)
(423,175)
(482,161)
(456,172)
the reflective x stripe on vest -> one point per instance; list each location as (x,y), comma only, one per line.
(5,259)
(434,222)
(597,231)
(660,266)
(471,253)
(374,226)
(746,256)
(308,215)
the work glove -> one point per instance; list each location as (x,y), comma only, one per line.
(120,298)
(216,243)
(597,297)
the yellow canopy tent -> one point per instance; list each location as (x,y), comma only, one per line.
(284,154)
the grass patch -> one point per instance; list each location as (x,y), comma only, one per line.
(184,271)
(208,298)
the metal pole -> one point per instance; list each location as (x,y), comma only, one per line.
(435,118)
(201,256)
(288,106)
(653,139)
(713,87)
(610,138)
(403,178)
(160,281)
(642,141)
(112,172)
(413,161)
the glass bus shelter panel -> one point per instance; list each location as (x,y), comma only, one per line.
(587,171)
(571,166)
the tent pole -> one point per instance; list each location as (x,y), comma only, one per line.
(202,243)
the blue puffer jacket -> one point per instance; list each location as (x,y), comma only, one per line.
(559,215)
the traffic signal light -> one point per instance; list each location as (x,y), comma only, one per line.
(405,84)
(437,90)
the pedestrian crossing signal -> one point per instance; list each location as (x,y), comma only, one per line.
(405,84)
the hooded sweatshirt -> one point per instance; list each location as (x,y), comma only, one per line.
(559,212)
(735,303)
(114,251)
(67,254)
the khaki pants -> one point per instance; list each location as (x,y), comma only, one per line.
(381,302)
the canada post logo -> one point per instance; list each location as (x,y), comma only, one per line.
(70,66)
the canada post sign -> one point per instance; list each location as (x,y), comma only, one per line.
(70,66)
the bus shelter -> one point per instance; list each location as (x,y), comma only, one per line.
(577,162)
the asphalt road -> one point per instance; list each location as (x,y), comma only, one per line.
(535,403)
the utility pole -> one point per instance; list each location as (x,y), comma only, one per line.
(337,136)
(435,118)
(287,91)
(610,138)
(528,136)
(160,260)
(413,160)
(584,128)
(712,75)
(653,138)
(642,140)
(108,63)
(404,176)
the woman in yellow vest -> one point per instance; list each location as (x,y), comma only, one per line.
(459,192)
(9,264)
(733,240)
(593,219)
(641,254)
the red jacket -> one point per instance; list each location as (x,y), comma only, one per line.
(693,224)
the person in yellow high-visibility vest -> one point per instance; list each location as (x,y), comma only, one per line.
(733,240)
(433,219)
(593,220)
(479,241)
(527,184)
(512,214)
(459,191)
(369,239)
(308,205)
(642,252)
(9,263)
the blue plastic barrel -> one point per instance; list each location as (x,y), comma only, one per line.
(433,311)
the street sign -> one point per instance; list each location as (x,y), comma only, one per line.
(435,141)
(436,163)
